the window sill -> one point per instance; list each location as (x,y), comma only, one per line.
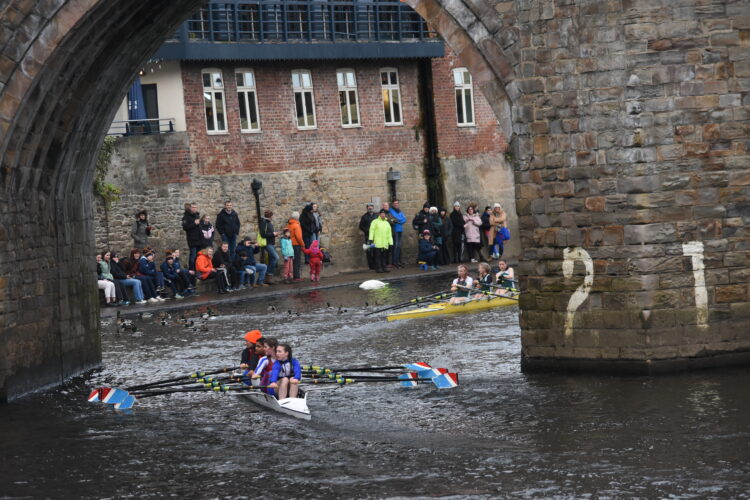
(258,131)
(466,125)
(351,126)
(302,129)
(223,132)
(401,124)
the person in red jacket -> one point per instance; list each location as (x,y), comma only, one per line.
(298,244)
(316,259)
(205,269)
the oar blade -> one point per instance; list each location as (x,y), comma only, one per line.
(115,396)
(432,372)
(408,379)
(417,367)
(126,404)
(96,395)
(446,381)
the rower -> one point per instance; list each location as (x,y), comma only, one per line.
(286,373)
(484,281)
(462,285)
(250,354)
(262,372)
(505,278)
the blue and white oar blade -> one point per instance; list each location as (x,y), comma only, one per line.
(407,379)
(126,404)
(96,395)
(432,372)
(115,396)
(417,367)
(446,381)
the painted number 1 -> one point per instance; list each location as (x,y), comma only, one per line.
(570,256)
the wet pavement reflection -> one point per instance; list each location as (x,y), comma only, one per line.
(501,433)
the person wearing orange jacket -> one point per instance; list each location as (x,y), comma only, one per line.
(205,269)
(297,244)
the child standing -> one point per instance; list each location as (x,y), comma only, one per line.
(287,251)
(316,260)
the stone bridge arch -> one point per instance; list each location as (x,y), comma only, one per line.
(630,124)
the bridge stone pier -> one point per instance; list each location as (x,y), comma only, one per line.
(630,142)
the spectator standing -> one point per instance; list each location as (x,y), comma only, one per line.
(364,226)
(298,243)
(316,260)
(141,230)
(445,232)
(228,226)
(392,221)
(307,222)
(421,221)
(191,221)
(318,222)
(398,232)
(497,220)
(485,230)
(457,236)
(382,237)
(208,231)
(267,231)
(287,252)
(472,225)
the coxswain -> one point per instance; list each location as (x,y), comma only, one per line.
(505,278)
(462,285)
(286,373)
(262,372)
(250,354)
(484,281)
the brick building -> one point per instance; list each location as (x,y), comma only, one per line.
(342,117)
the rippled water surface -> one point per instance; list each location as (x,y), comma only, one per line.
(500,434)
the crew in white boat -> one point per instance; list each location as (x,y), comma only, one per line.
(286,373)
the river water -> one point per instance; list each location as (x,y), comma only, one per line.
(500,434)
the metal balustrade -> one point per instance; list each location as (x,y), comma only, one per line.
(149,126)
(305,20)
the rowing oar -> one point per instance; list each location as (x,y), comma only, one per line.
(412,301)
(483,292)
(130,400)
(444,381)
(198,374)
(413,366)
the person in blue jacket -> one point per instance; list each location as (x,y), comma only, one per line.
(286,373)
(398,232)
(428,252)
(186,276)
(171,276)
(146,267)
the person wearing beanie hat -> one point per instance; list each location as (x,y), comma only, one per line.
(421,221)
(250,354)
(141,230)
(457,235)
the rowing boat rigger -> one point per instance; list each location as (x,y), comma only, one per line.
(469,306)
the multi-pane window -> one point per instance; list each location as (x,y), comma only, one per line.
(464,96)
(248,99)
(391,96)
(304,102)
(347,83)
(213,101)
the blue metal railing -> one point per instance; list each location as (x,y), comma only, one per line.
(306,21)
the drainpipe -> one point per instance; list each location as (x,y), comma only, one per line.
(432,169)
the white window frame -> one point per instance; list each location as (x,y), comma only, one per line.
(299,86)
(466,92)
(391,88)
(216,88)
(346,80)
(247,90)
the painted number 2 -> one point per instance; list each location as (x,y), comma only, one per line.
(570,256)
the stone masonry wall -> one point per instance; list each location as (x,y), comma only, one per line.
(631,126)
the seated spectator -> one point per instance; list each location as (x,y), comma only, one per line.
(427,251)
(222,261)
(108,286)
(147,267)
(120,275)
(105,272)
(204,266)
(187,275)
(132,266)
(258,268)
(172,278)
(241,269)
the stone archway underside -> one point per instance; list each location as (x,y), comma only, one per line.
(630,125)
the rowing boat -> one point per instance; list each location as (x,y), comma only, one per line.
(439,308)
(294,407)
